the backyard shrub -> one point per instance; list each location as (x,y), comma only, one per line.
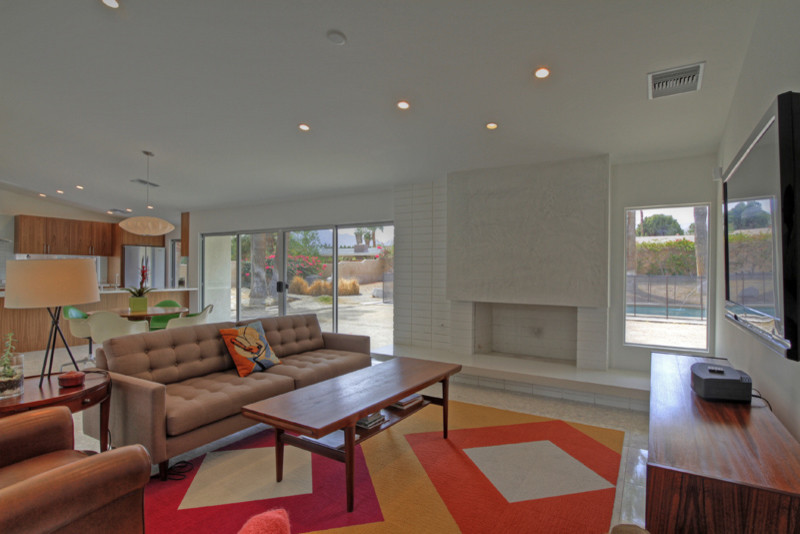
(750,253)
(672,257)
(349,287)
(298,286)
(320,287)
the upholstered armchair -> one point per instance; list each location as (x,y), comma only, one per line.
(47,486)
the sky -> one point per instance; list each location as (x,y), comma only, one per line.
(684,215)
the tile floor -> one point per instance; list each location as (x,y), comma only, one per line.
(629,506)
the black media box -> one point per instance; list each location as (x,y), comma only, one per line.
(719,382)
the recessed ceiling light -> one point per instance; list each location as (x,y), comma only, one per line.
(110,212)
(59,191)
(79,187)
(42,195)
(111,3)
(150,207)
(403,104)
(542,72)
(128,210)
(303,126)
(491,125)
(337,37)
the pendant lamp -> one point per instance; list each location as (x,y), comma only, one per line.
(146,225)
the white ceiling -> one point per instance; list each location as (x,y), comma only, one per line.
(216,89)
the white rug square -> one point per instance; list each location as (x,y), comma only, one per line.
(534,470)
(227,477)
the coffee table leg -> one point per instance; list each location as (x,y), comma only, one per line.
(445,403)
(349,461)
(278,454)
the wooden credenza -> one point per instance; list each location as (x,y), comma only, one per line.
(716,467)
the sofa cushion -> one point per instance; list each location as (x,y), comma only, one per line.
(198,401)
(169,356)
(318,365)
(249,349)
(292,334)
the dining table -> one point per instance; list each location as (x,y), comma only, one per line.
(151,311)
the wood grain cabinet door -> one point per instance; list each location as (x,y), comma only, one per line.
(80,233)
(29,234)
(102,239)
(59,236)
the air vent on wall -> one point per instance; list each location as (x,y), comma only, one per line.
(675,81)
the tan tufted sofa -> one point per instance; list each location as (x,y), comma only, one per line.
(177,389)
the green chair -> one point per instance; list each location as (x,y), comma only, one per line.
(159,322)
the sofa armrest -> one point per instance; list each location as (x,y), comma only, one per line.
(139,414)
(348,342)
(56,498)
(29,434)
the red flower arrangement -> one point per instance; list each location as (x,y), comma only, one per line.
(142,290)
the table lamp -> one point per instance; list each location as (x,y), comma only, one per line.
(51,284)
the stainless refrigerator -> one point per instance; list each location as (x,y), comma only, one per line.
(132,259)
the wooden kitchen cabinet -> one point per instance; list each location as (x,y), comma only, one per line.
(50,235)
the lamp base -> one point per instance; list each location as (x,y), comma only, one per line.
(49,353)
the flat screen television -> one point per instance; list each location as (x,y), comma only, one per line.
(762,245)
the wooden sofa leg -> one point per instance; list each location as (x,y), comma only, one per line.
(163,468)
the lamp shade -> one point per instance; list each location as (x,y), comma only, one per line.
(50,283)
(146,225)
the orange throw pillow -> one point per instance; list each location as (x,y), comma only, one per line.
(249,349)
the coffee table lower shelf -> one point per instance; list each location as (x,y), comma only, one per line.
(332,445)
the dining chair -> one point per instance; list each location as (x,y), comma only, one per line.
(78,322)
(159,322)
(191,319)
(105,325)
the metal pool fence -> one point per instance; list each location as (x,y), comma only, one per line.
(667,296)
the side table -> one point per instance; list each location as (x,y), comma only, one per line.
(96,389)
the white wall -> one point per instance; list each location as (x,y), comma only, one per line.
(771,67)
(530,234)
(655,183)
(16,203)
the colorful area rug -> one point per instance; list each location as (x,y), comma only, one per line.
(499,471)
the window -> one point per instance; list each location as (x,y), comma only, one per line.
(666,264)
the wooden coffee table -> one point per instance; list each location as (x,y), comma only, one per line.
(337,404)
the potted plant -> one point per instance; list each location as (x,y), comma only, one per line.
(138,300)
(12,379)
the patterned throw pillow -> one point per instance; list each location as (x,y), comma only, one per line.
(249,349)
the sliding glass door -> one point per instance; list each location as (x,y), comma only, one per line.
(365,303)
(259,273)
(219,275)
(309,272)
(344,275)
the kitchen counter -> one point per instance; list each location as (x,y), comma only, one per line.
(30,326)
(120,290)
